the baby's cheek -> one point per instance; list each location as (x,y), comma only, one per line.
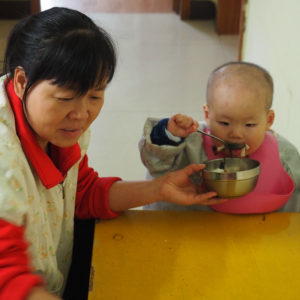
(253,147)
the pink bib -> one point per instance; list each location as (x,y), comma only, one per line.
(274,186)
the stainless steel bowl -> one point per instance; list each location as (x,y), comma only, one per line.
(231,177)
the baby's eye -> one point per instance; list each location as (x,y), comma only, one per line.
(250,125)
(223,123)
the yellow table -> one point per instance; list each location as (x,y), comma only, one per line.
(152,255)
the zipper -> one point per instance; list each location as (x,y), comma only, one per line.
(62,189)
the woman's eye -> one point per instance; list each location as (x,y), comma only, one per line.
(96,98)
(64,98)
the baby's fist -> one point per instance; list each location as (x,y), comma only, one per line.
(182,125)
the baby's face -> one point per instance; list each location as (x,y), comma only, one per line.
(238,114)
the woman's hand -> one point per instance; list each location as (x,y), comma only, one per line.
(182,125)
(177,187)
(40,293)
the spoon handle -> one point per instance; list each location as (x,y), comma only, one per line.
(212,136)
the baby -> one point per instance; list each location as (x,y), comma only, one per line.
(238,110)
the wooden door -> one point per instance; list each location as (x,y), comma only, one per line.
(35,6)
(228,16)
(242,28)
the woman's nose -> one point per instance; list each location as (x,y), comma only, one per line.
(80,110)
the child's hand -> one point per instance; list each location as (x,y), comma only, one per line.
(182,125)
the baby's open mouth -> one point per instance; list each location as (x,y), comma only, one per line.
(235,149)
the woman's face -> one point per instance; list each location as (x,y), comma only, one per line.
(58,116)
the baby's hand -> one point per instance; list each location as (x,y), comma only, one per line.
(182,125)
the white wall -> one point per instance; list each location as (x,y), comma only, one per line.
(272,40)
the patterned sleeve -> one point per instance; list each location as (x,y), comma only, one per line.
(161,159)
(158,159)
(290,160)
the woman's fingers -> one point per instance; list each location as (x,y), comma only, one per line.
(209,201)
(192,168)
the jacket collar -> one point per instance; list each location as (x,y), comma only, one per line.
(51,171)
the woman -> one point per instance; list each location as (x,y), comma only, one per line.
(57,65)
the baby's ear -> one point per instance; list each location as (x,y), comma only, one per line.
(206,112)
(270,118)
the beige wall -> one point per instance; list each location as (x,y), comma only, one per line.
(272,40)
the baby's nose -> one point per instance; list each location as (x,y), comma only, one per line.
(236,133)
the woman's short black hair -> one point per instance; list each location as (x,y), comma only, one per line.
(62,45)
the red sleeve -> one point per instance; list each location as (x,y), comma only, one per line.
(93,193)
(16,278)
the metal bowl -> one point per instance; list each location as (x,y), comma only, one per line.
(231,177)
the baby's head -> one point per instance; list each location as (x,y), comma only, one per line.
(239,100)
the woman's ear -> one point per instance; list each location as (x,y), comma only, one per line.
(20,82)
(206,113)
(270,118)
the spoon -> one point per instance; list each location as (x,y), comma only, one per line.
(230,146)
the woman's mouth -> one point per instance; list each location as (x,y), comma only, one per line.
(72,133)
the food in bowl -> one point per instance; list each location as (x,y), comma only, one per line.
(231,177)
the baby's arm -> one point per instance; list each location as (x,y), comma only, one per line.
(161,149)
(290,160)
